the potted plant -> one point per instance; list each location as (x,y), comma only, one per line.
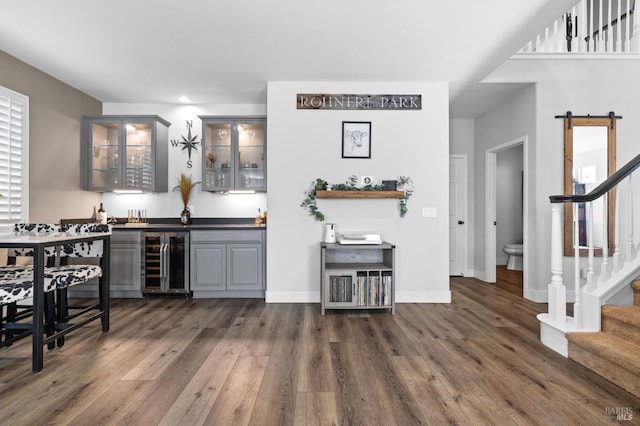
(185,185)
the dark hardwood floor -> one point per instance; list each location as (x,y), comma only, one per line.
(475,361)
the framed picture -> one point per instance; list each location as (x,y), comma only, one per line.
(356,139)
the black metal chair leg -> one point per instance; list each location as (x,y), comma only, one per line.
(12,311)
(62,311)
(49,317)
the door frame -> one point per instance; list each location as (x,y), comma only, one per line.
(490,209)
(465,231)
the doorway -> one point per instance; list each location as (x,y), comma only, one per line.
(491,207)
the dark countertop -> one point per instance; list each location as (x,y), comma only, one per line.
(198,224)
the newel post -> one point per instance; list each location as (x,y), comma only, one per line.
(557,290)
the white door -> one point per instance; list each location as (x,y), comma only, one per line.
(457,214)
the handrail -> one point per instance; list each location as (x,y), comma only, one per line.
(601,189)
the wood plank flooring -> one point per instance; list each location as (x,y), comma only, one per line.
(475,361)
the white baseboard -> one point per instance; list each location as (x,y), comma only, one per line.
(423,296)
(292,296)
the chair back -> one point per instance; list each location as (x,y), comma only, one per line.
(85,248)
(34,229)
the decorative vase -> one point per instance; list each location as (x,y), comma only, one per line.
(185,216)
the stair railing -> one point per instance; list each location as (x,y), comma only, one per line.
(590,291)
(591,26)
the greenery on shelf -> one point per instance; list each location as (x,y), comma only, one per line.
(404,183)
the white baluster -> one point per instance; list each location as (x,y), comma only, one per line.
(601,40)
(627,34)
(619,29)
(617,254)
(605,272)
(590,281)
(590,32)
(546,45)
(582,26)
(538,44)
(631,249)
(557,290)
(635,38)
(575,46)
(609,28)
(557,39)
(577,314)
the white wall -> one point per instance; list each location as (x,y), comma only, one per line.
(206,204)
(306,144)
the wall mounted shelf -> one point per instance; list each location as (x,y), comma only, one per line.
(359,194)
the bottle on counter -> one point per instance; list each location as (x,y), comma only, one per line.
(102,215)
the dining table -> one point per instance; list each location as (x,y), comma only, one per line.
(38,243)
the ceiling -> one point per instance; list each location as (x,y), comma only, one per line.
(225,52)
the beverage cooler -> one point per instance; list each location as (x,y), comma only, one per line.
(165,263)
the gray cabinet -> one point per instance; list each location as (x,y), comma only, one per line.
(359,276)
(234,153)
(125,264)
(124,272)
(228,263)
(128,153)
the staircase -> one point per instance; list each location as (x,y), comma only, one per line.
(613,353)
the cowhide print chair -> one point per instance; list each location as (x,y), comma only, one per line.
(59,274)
(16,285)
(82,273)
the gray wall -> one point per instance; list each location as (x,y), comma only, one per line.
(512,120)
(54,147)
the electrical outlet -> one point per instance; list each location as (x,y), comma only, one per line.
(366,180)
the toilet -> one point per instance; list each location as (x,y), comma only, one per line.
(514,251)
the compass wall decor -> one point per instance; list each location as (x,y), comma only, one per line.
(188,143)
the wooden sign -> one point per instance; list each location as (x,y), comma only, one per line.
(358,102)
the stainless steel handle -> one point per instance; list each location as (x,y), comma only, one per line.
(167,261)
(161,262)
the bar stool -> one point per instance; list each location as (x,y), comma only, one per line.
(16,284)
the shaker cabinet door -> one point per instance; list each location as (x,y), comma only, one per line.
(208,271)
(245,267)
(124,273)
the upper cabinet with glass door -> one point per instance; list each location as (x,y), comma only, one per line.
(128,153)
(234,154)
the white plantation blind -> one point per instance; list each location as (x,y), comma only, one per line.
(14,151)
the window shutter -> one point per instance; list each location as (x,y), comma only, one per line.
(13,148)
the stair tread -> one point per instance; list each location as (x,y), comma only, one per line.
(627,314)
(608,346)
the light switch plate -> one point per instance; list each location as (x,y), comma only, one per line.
(429,212)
